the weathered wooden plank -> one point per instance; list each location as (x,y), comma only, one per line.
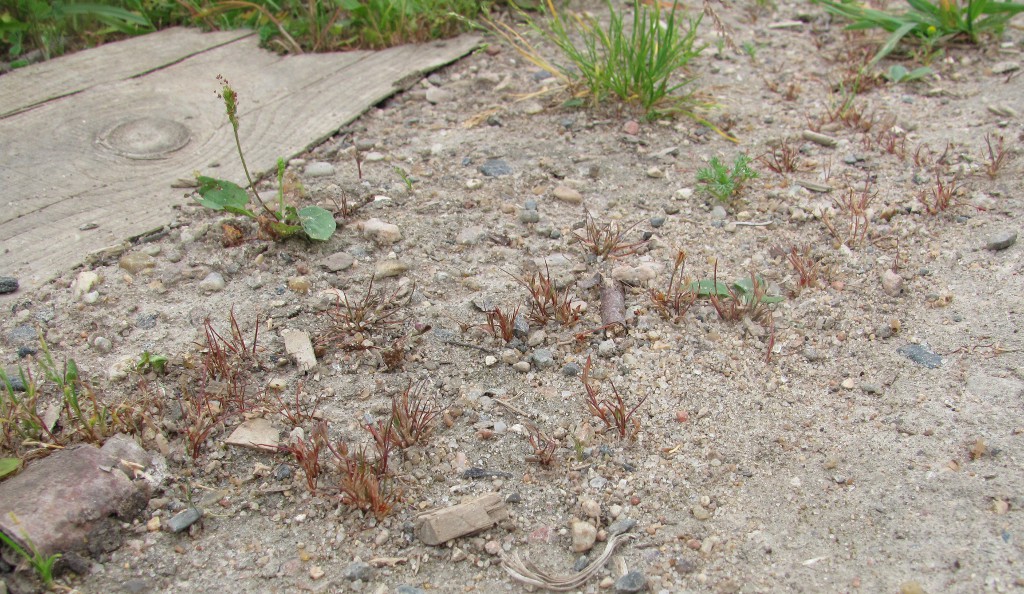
(66,179)
(26,87)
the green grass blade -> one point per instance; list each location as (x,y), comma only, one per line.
(892,42)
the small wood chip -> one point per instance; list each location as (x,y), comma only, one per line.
(812,186)
(818,138)
(438,526)
(613,303)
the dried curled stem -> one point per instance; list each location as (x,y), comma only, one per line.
(527,573)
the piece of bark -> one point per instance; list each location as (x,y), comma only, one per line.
(818,138)
(613,303)
(438,526)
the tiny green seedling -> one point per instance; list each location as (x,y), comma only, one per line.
(151,362)
(408,181)
(42,565)
(722,182)
(898,74)
(312,221)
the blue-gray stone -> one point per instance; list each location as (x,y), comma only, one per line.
(530,205)
(8,284)
(183,520)
(621,526)
(358,571)
(571,370)
(14,379)
(407,589)
(23,335)
(495,168)
(921,355)
(997,242)
(633,581)
(145,321)
(529,216)
(580,564)
(657,221)
(543,359)
(283,472)
(521,327)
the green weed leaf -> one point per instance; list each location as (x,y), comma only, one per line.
(220,194)
(8,466)
(317,223)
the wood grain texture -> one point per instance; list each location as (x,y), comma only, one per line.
(63,179)
(66,75)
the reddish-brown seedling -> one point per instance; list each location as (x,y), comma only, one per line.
(678,296)
(781,159)
(502,324)
(607,240)
(855,207)
(547,302)
(809,273)
(613,412)
(295,411)
(307,454)
(942,196)
(352,321)
(412,417)
(542,447)
(997,156)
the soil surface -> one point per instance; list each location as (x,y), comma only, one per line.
(866,436)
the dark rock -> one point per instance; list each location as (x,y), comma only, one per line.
(657,221)
(479,473)
(521,327)
(283,472)
(633,581)
(571,370)
(1001,241)
(621,526)
(146,321)
(14,379)
(495,168)
(514,498)
(921,355)
(543,358)
(685,565)
(8,284)
(182,520)
(358,571)
(580,564)
(23,335)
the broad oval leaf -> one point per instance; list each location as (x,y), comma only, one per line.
(220,194)
(708,287)
(9,466)
(317,222)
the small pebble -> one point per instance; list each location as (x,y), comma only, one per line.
(718,213)
(584,534)
(103,344)
(892,283)
(529,216)
(495,168)
(319,169)
(657,221)
(213,283)
(521,366)
(1001,241)
(184,519)
(655,172)
(338,261)
(634,581)
(571,370)
(567,194)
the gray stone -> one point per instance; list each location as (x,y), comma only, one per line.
(657,221)
(543,359)
(23,335)
(495,168)
(182,520)
(8,284)
(621,526)
(470,235)
(921,355)
(407,589)
(634,581)
(137,586)
(213,283)
(812,354)
(529,216)
(1001,241)
(14,380)
(571,370)
(718,213)
(437,95)
(606,348)
(145,321)
(103,344)
(358,571)
(319,169)
(892,283)
(338,261)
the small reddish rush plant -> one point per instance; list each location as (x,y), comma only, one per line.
(613,412)
(806,267)
(856,207)
(365,483)
(997,156)
(412,417)
(297,412)
(503,324)
(678,297)
(352,321)
(942,197)
(307,454)
(607,240)
(543,447)
(781,158)
(547,302)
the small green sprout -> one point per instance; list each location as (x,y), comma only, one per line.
(723,183)
(42,565)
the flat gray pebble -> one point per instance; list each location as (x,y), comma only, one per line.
(571,370)
(407,589)
(495,168)
(183,520)
(718,213)
(358,571)
(529,216)
(213,283)
(543,358)
(103,344)
(657,221)
(22,335)
(812,354)
(621,526)
(8,284)
(606,348)
(634,581)
(1001,241)
(338,261)
(319,169)
(921,355)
